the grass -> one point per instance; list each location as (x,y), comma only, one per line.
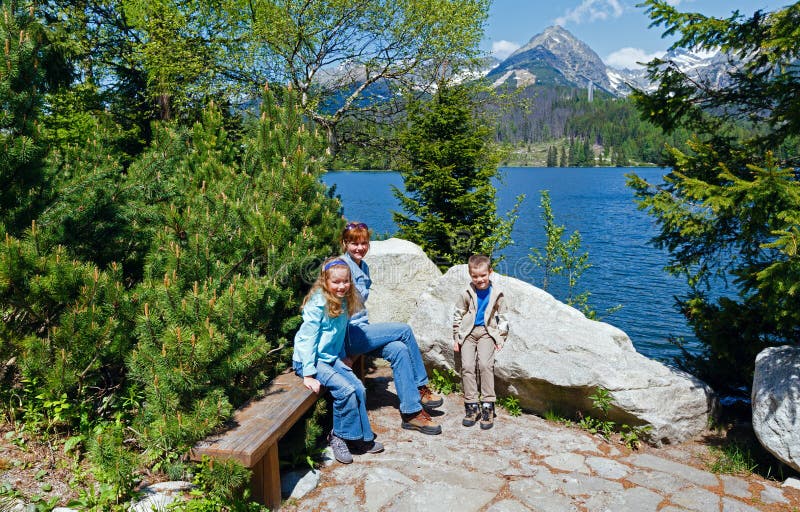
(731,458)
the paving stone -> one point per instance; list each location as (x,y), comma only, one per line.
(296,484)
(381,485)
(607,468)
(697,499)
(773,495)
(455,477)
(567,462)
(338,497)
(508,506)
(791,482)
(635,499)
(657,481)
(537,497)
(696,476)
(735,486)
(576,484)
(732,505)
(443,496)
(674,509)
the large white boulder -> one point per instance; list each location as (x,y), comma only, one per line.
(400,272)
(776,402)
(555,358)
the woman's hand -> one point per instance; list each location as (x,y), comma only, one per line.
(456,347)
(312,384)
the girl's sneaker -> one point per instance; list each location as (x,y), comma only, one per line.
(360,446)
(339,448)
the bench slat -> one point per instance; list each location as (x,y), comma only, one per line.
(260,423)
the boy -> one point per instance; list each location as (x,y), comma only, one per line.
(479,329)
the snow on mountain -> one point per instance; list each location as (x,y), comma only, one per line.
(556,57)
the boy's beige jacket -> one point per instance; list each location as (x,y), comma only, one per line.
(494,319)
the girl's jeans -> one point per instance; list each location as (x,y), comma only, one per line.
(350,419)
(395,342)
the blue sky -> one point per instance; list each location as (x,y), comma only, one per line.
(616,29)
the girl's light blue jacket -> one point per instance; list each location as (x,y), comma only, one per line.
(320,338)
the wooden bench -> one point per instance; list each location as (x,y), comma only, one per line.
(257,427)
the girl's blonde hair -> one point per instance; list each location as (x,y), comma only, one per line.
(333,304)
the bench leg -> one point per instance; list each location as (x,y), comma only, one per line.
(266,482)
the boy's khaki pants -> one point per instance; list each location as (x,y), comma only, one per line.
(478,347)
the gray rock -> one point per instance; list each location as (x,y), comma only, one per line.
(607,468)
(382,485)
(158,496)
(658,481)
(697,499)
(443,496)
(791,482)
(508,506)
(12,505)
(776,402)
(540,498)
(732,505)
(688,473)
(400,272)
(635,499)
(567,462)
(298,483)
(772,495)
(556,357)
(735,486)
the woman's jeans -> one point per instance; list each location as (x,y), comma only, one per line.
(395,342)
(350,420)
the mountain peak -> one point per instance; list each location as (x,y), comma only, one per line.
(552,37)
(553,57)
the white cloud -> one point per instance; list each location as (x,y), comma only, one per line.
(628,58)
(502,49)
(591,10)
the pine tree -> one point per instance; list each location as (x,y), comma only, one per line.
(552,157)
(727,211)
(224,280)
(449,202)
(66,326)
(30,68)
(563,161)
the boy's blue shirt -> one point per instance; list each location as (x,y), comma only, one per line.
(483,301)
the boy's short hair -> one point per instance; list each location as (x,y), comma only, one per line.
(479,260)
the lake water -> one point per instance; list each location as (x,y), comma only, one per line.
(625,269)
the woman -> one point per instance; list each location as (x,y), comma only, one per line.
(393,341)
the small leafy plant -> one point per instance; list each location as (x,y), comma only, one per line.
(445,382)
(511,404)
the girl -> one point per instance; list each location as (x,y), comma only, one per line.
(392,341)
(319,358)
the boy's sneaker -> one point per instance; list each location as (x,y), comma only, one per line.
(422,422)
(360,446)
(339,448)
(487,415)
(472,413)
(429,399)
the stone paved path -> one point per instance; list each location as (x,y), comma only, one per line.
(525,464)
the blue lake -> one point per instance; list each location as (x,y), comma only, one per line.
(625,269)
